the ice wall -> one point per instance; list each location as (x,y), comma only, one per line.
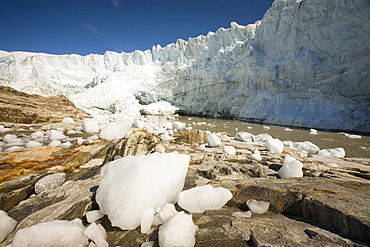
(305,64)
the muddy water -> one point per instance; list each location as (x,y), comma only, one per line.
(324,139)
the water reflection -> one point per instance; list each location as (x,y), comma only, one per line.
(354,147)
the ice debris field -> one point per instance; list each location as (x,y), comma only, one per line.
(141,191)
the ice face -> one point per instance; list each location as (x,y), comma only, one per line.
(178,231)
(202,198)
(58,233)
(266,70)
(7,225)
(135,184)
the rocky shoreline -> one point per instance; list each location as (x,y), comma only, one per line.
(327,206)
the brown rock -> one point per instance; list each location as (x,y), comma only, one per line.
(19,107)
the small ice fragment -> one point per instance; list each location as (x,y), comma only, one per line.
(9,137)
(80,141)
(258,207)
(55,143)
(274,145)
(213,140)
(7,225)
(178,125)
(256,155)
(243,136)
(229,150)
(247,214)
(56,135)
(33,144)
(90,126)
(68,120)
(147,244)
(199,199)
(266,127)
(97,234)
(167,211)
(288,129)
(147,220)
(51,234)
(37,135)
(115,131)
(166,137)
(178,231)
(66,145)
(71,132)
(331,164)
(313,132)
(291,168)
(94,215)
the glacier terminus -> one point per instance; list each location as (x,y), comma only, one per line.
(306,63)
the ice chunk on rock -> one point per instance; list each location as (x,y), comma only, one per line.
(115,130)
(202,198)
(134,184)
(243,136)
(213,140)
(50,182)
(167,212)
(274,145)
(58,233)
(97,234)
(306,146)
(90,126)
(258,207)
(55,143)
(291,168)
(177,231)
(256,155)
(247,214)
(147,220)
(56,135)
(334,152)
(94,215)
(7,225)
(178,125)
(229,150)
(9,137)
(68,120)
(33,144)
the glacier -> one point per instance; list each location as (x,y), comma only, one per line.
(306,63)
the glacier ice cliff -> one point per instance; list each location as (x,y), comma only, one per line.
(306,63)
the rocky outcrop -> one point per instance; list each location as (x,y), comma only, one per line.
(20,107)
(326,207)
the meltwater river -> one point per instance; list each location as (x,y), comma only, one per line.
(354,147)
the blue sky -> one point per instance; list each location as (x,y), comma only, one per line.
(95,26)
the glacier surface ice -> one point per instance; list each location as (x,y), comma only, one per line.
(134,184)
(297,67)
